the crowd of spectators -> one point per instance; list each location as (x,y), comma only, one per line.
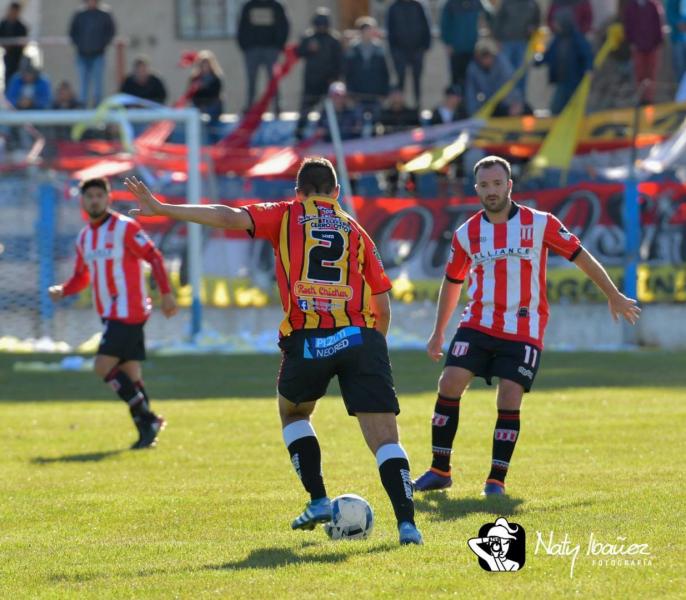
(366,71)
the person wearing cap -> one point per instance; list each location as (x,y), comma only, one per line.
(322,52)
(366,70)
(497,541)
(451,108)
(349,119)
(29,89)
(486,74)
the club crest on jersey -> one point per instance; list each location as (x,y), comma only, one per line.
(460,348)
(141,238)
(527,232)
(564,233)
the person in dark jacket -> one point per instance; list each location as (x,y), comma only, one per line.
(514,23)
(323,54)
(643,20)
(91,31)
(568,58)
(365,68)
(12,27)
(262,33)
(397,115)
(460,31)
(347,116)
(409,37)
(143,83)
(205,85)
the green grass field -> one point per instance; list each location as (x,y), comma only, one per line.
(207,513)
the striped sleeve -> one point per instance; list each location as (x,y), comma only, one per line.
(266,219)
(458,262)
(373,269)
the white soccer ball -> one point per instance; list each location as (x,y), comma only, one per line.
(351,518)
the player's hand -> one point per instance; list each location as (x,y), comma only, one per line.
(434,347)
(169,308)
(56,292)
(621,306)
(149,205)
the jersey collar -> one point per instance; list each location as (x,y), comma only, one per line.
(325,199)
(514,209)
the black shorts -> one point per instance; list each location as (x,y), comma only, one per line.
(357,355)
(488,356)
(126,341)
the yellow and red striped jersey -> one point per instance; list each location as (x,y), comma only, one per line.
(327,266)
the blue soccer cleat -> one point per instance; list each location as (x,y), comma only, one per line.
(316,511)
(433,479)
(493,487)
(409,534)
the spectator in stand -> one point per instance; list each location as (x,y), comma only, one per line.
(643,30)
(262,33)
(397,115)
(347,116)
(205,86)
(568,57)
(29,89)
(409,37)
(581,11)
(12,27)
(365,68)
(460,32)
(452,108)
(486,74)
(676,18)
(323,53)
(91,31)
(65,98)
(143,83)
(514,23)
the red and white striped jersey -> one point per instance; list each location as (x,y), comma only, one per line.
(506,263)
(109,254)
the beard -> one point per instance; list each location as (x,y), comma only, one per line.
(494,203)
(96,212)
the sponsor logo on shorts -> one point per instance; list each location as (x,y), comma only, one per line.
(325,347)
(439,420)
(323,290)
(526,372)
(506,435)
(460,348)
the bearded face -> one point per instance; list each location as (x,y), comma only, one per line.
(493,187)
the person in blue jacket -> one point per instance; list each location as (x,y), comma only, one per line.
(29,89)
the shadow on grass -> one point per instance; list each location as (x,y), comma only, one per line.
(75,458)
(442,507)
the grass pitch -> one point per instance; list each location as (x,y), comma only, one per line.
(207,513)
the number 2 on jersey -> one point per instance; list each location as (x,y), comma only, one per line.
(324,256)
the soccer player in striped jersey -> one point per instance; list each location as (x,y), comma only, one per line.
(503,250)
(109,251)
(334,293)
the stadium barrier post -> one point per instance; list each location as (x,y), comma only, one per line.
(193,140)
(340,156)
(45,238)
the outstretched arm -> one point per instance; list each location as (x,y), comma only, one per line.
(213,215)
(448,298)
(619,304)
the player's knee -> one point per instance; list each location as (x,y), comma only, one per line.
(101,368)
(451,384)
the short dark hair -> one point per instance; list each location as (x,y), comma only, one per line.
(492,161)
(99,182)
(316,176)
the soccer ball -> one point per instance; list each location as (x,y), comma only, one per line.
(351,518)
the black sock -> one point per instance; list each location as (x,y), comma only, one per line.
(306,456)
(142,390)
(129,393)
(504,440)
(443,430)
(394,469)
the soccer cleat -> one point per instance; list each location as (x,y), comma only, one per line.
(316,511)
(149,432)
(493,487)
(409,534)
(433,479)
